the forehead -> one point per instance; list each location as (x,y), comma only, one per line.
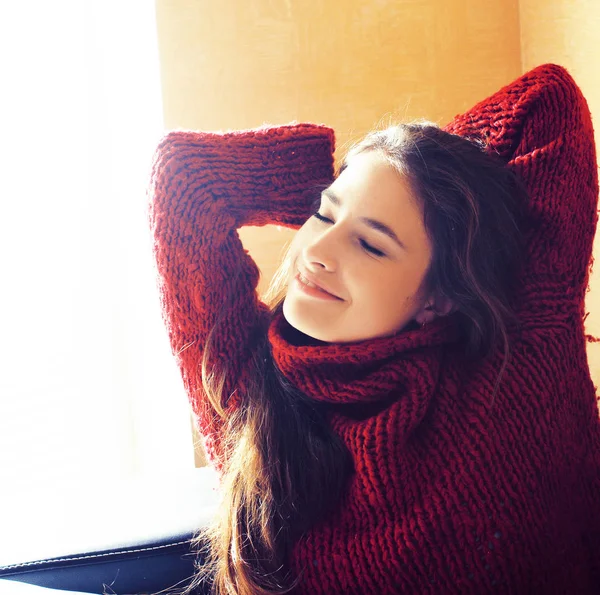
(369,178)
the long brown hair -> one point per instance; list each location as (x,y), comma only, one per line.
(285,467)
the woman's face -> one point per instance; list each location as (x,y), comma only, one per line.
(368,246)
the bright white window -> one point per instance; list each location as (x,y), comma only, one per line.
(88,386)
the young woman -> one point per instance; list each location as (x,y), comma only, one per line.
(412,412)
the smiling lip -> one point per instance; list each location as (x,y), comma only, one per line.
(317,291)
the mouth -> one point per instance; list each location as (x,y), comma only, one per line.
(309,287)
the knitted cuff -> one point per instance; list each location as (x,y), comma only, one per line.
(259,176)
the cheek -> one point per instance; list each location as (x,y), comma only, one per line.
(389,293)
(295,248)
(300,239)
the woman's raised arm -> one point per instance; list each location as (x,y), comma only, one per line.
(541,126)
(203,187)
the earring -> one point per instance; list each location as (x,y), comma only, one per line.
(424,323)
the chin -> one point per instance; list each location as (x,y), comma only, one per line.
(295,321)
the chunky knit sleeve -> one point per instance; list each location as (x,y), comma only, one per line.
(203,187)
(541,126)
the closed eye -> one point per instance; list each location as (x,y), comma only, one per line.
(366,246)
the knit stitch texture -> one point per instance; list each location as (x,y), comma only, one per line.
(452,493)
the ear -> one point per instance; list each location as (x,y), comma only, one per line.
(434,308)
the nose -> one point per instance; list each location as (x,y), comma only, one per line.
(321,253)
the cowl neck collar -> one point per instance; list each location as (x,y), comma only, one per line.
(364,371)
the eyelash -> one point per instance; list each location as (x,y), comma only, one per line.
(364,244)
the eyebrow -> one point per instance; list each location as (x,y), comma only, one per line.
(372,223)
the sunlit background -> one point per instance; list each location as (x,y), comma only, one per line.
(88,387)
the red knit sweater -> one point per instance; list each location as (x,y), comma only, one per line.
(451,493)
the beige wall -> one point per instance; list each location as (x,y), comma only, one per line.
(241,63)
(352,64)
